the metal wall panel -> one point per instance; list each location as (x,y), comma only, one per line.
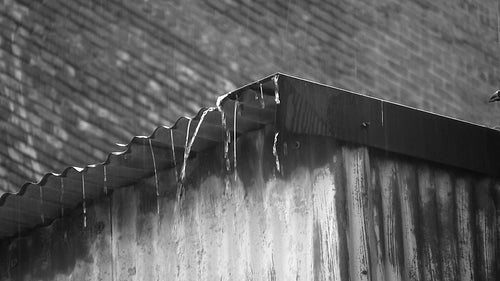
(336,212)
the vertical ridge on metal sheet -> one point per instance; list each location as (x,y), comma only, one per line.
(338,168)
(376,224)
(465,233)
(430,235)
(393,259)
(497,207)
(485,222)
(446,224)
(408,194)
(355,160)
(326,226)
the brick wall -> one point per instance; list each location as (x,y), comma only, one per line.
(78,76)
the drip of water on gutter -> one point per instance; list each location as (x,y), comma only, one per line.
(84,205)
(42,216)
(188,146)
(235,116)
(275,152)
(276,90)
(227,133)
(157,185)
(262,102)
(105,179)
(61,197)
(172,146)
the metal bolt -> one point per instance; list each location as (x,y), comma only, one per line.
(296,145)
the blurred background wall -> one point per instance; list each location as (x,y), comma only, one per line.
(78,76)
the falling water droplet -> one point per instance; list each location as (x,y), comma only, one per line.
(42,216)
(276,90)
(84,205)
(172,145)
(157,185)
(275,152)
(262,102)
(236,105)
(105,183)
(61,197)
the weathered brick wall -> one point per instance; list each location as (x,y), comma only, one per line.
(77,76)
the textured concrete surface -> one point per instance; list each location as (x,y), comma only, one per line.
(337,212)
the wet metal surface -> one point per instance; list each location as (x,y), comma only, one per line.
(324,189)
(342,212)
(26,209)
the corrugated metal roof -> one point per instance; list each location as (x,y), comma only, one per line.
(306,108)
(41,202)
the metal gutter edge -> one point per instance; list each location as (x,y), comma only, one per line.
(388,126)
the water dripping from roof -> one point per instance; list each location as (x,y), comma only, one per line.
(227,140)
(61,196)
(276,90)
(262,102)
(275,152)
(236,105)
(40,206)
(180,187)
(84,205)
(382,112)
(157,187)
(105,179)
(189,144)
(227,133)
(172,146)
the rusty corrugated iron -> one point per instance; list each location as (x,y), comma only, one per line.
(41,202)
(348,200)
(339,212)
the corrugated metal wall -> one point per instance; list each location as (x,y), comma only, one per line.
(338,212)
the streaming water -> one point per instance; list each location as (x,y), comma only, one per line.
(227,140)
(172,146)
(262,102)
(382,111)
(180,185)
(236,105)
(189,144)
(227,133)
(105,180)
(157,187)
(276,90)
(275,152)
(84,205)
(61,197)
(42,216)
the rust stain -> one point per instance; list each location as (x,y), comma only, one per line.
(360,215)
